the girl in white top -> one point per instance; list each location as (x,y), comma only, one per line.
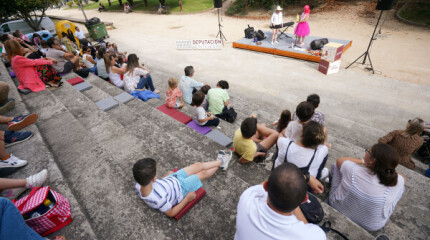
(310,148)
(367,190)
(137,76)
(88,60)
(113,71)
(276,22)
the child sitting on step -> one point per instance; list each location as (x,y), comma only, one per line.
(171,193)
(201,117)
(205,90)
(173,93)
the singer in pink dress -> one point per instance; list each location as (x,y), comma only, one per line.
(302,29)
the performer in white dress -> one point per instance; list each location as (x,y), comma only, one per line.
(276,22)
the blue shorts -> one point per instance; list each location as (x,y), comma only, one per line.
(188,183)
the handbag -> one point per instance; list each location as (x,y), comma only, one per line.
(44,210)
(227,114)
(312,209)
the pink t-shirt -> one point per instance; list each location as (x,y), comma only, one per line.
(171,96)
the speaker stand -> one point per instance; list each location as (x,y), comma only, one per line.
(220,34)
(366,54)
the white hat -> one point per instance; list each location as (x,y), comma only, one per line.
(278,8)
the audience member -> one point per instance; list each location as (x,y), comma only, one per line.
(71,36)
(171,193)
(109,48)
(173,93)
(205,90)
(283,121)
(271,210)
(253,140)
(67,45)
(127,8)
(406,141)
(116,51)
(19,34)
(6,104)
(35,40)
(43,47)
(218,97)
(66,61)
(13,225)
(28,51)
(309,154)
(113,71)
(304,112)
(201,117)
(28,74)
(79,34)
(137,76)
(187,85)
(371,185)
(101,7)
(88,60)
(101,67)
(319,117)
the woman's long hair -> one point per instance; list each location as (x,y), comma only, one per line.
(283,121)
(66,43)
(132,63)
(415,126)
(386,161)
(13,48)
(108,59)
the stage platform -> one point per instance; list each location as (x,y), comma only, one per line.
(283,48)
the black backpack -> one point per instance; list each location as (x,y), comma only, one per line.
(249,32)
(228,114)
(83,72)
(260,35)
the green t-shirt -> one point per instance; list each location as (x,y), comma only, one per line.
(216,99)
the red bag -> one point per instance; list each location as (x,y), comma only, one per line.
(50,221)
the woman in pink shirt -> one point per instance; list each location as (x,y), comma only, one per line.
(31,74)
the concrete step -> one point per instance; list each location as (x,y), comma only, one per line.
(118,113)
(39,156)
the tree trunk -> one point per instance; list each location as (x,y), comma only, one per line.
(120,2)
(110,4)
(145,2)
(246,6)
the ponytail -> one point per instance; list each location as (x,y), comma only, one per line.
(386,161)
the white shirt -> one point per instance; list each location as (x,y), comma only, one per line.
(256,220)
(79,34)
(87,63)
(131,79)
(276,18)
(294,131)
(115,78)
(200,113)
(165,194)
(301,156)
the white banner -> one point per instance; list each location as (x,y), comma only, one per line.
(199,44)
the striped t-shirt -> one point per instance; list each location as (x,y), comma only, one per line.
(166,193)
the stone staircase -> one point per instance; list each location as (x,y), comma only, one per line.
(90,154)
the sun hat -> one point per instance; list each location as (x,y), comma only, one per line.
(278,8)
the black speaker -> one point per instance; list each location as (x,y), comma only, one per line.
(385,4)
(218,3)
(318,44)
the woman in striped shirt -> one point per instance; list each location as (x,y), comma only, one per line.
(367,190)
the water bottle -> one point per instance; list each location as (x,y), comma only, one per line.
(35,215)
(255,39)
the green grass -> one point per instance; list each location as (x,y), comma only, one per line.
(417,12)
(187,5)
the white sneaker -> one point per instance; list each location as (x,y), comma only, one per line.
(13,193)
(12,162)
(324,174)
(37,180)
(272,42)
(276,41)
(156,91)
(226,160)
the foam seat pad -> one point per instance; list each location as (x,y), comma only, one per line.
(75,80)
(168,111)
(124,97)
(83,86)
(220,138)
(12,74)
(181,117)
(107,104)
(201,129)
(200,193)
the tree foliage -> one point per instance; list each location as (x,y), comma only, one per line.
(26,10)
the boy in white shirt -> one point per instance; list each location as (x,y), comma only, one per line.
(304,112)
(201,117)
(172,193)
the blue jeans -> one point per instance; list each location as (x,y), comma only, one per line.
(213,122)
(145,82)
(12,225)
(94,70)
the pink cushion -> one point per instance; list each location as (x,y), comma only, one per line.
(181,117)
(75,80)
(168,111)
(200,193)
(201,129)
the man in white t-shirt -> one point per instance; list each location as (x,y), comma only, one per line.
(271,210)
(79,34)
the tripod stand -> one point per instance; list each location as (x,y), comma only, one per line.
(220,34)
(366,54)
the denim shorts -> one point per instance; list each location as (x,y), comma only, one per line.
(188,183)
